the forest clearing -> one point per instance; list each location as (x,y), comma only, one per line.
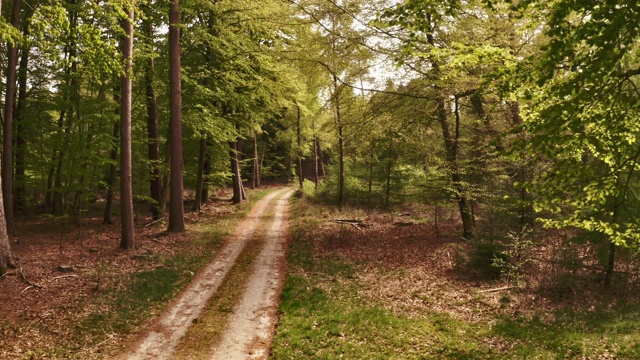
(463,177)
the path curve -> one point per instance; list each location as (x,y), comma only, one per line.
(165,333)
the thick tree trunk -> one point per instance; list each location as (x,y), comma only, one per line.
(126,187)
(197,203)
(7,144)
(235,174)
(155,185)
(176,207)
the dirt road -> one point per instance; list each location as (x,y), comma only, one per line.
(251,324)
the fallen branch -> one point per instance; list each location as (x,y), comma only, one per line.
(496,289)
(8,273)
(27,288)
(64,276)
(34,285)
(154,222)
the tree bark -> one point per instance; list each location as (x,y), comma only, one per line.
(256,165)
(451,145)
(126,187)
(176,207)
(7,144)
(235,174)
(21,142)
(111,179)
(206,175)
(338,119)
(299,152)
(197,203)
(155,178)
(6,258)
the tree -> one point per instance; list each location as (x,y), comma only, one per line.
(176,207)
(583,120)
(6,259)
(7,144)
(155,179)
(126,190)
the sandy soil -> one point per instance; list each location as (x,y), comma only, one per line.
(256,312)
(250,329)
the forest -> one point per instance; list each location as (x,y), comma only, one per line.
(511,126)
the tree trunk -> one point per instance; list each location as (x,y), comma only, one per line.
(176,207)
(206,175)
(7,144)
(235,174)
(166,180)
(388,188)
(21,142)
(299,152)
(341,174)
(6,259)
(323,173)
(153,139)
(197,203)
(111,180)
(451,145)
(126,186)
(256,165)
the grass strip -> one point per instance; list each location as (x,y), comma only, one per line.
(199,340)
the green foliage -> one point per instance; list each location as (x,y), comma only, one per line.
(583,118)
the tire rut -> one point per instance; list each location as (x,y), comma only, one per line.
(166,332)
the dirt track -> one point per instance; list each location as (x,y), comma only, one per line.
(249,333)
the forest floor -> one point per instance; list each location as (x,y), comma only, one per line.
(397,285)
(393,284)
(76,295)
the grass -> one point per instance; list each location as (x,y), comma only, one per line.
(324,315)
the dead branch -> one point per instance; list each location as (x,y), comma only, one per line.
(496,289)
(24,277)
(154,222)
(27,288)
(63,276)
(157,241)
(8,273)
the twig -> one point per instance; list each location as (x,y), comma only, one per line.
(158,241)
(154,222)
(496,289)
(28,282)
(7,274)
(64,276)
(27,288)
(357,227)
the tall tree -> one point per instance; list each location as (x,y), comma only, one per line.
(155,178)
(126,187)
(176,207)
(7,144)
(6,259)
